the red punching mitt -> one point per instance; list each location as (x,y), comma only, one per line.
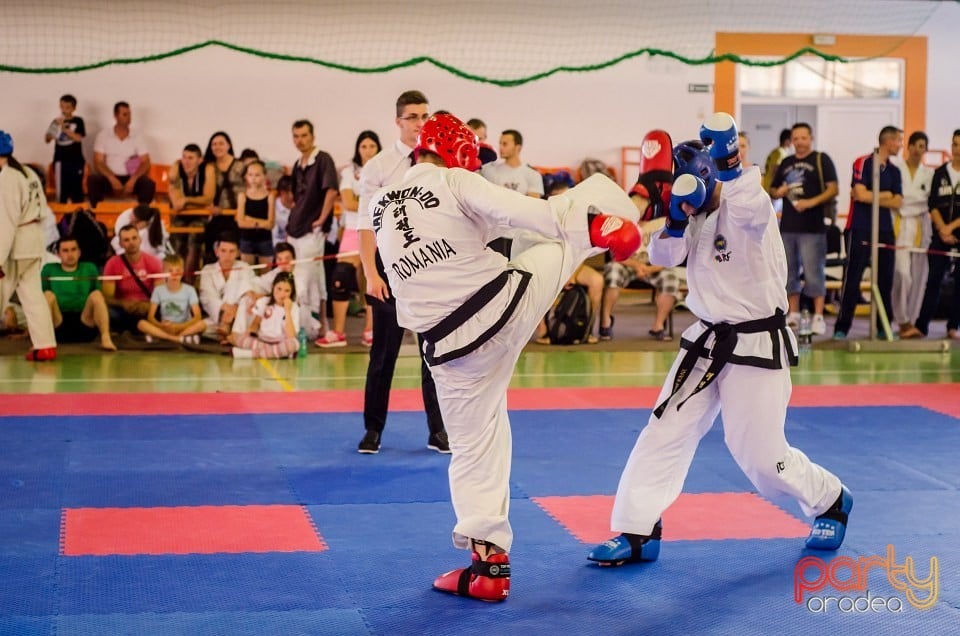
(656,172)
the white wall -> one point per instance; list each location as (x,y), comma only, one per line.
(184,99)
(564,118)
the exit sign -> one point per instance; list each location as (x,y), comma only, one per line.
(699,88)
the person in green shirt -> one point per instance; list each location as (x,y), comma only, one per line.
(72,290)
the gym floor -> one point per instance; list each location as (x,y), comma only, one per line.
(159,492)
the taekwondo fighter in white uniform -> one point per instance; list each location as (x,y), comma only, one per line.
(22,208)
(734,360)
(476,311)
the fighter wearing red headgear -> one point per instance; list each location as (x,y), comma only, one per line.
(476,311)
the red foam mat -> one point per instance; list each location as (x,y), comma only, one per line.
(692,517)
(942,398)
(188,530)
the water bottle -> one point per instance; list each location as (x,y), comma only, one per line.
(805,332)
(302,340)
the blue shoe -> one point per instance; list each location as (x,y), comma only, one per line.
(628,548)
(829,528)
(839,335)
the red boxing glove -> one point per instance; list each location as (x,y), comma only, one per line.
(656,172)
(620,236)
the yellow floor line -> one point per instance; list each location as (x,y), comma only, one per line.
(276,376)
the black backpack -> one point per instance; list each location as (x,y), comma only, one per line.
(569,320)
(90,233)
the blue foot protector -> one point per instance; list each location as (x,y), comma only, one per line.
(830,527)
(628,548)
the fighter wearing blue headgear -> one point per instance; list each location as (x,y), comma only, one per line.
(734,360)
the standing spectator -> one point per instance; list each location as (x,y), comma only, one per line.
(68,132)
(487,153)
(120,161)
(22,206)
(348,275)
(743,143)
(389,167)
(255,215)
(510,171)
(776,157)
(314,192)
(913,230)
(945,217)
(807,183)
(860,223)
(129,297)
(72,290)
(222,284)
(174,308)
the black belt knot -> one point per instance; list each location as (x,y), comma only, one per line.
(725,341)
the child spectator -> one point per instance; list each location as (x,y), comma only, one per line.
(174,313)
(255,215)
(68,132)
(273,330)
(282,205)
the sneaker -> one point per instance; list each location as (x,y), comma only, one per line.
(439,442)
(367,338)
(606,333)
(819,325)
(332,339)
(370,444)
(839,335)
(793,319)
(241,354)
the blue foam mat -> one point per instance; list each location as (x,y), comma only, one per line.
(387,522)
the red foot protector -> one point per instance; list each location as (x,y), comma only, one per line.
(484,580)
(692,517)
(188,530)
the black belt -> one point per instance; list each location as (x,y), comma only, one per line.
(722,352)
(467,310)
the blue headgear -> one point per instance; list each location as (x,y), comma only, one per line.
(6,144)
(692,157)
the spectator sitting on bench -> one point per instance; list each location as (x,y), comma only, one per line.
(120,160)
(666,282)
(154,237)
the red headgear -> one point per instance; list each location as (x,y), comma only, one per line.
(448,137)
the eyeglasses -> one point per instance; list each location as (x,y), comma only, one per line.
(423,117)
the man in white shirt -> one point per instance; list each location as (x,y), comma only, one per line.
(121,162)
(510,171)
(388,167)
(222,285)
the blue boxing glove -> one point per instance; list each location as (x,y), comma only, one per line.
(686,189)
(719,134)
